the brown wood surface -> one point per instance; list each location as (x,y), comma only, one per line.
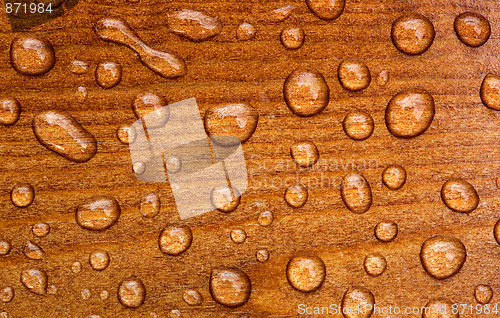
(462,142)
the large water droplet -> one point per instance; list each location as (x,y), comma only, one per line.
(412,33)
(150,205)
(225,199)
(459,195)
(175,239)
(238,236)
(358,125)
(108,74)
(306,272)
(296,196)
(306,91)
(442,256)
(386,231)
(358,302)
(78,67)
(394,177)
(35,280)
(33,251)
(440,308)
(22,195)
(10,110)
(192,297)
(490,91)
(7,294)
(131,292)
(304,153)
(63,134)
(356,193)
(193,25)
(375,264)
(31,54)
(292,37)
(354,75)
(483,294)
(326,9)
(99,260)
(472,28)
(40,229)
(245,31)
(230,286)
(98,213)
(409,113)
(126,134)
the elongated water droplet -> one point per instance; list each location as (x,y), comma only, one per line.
(98,213)
(412,34)
(326,9)
(358,302)
(354,75)
(31,54)
(375,264)
(126,134)
(358,125)
(40,229)
(265,218)
(33,251)
(306,272)
(7,294)
(78,67)
(394,177)
(292,37)
(282,13)
(99,260)
(238,236)
(442,256)
(150,205)
(81,94)
(192,297)
(356,193)
(225,199)
(262,255)
(193,25)
(483,294)
(10,110)
(306,91)
(245,31)
(4,248)
(439,308)
(22,195)
(175,239)
(108,74)
(490,91)
(131,292)
(304,153)
(35,280)
(459,195)
(296,196)
(63,134)
(153,105)
(472,28)
(386,231)
(230,286)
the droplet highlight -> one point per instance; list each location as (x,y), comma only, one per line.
(7,294)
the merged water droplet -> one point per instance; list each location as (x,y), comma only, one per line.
(118,31)
(81,94)
(10,110)
(306,272)
(386,231)
(99,260)
(394,177)
(40,229)
(375,264)
(236,120)
(296,196)
(33,251)
(85,294)
(98,213)
(131,292)
(439,308)
(356,298)
(306,92)
(443,256)
(282,13)
(126,134)
(358,125)
(175,239)
(4,248)
(230,286)
(483,294)
(383,78)
(35,280)
(412,33)
(490,91)
(193,25)
(150,205)
(192,297)
(326,9)
(7,294)
(472,28)
(410,113)
(63,134)
(356,193)
(108,74)
(31,54)
(22,195)
(354,75)
(147,103)
(245,31)
(238,236)
(459,195)
(292,37)
(304,153)
(225,199)
(262,255)
(78,67)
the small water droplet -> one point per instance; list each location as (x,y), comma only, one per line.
(175,239)
(4,248)
(409,113)
(238,236)
(98,213)
(439,308)
(192,297)
(412,34)
(230,286)
(81,94)
(63,134)
(225,199)
(174,313)
(296,196)
(22,195)
(139,167)
(386,231)
(472,28)
(31,54)
(292,37)
(104,295)
(356,193)
(265,218)
(483,294)
(4,314)
(358,125)
(375,264)
(443,256)
(150,205)
(173,164)
(306,92)
(193,25)
(326,9)
(35,280)
(99,260)
(490,91)
(7,294)
(306,272)
(304,153)
(78,67)
(33,251)
(40,229)
(76,267)
(52,290)
(282,13)
(354,75)
(394,177)
(262,255)
(132,292)
(459,195)
(86,294)
(10,110)
(108,74)
(245,31)
(356,298)
(383,78)
(153,105)
(126,134)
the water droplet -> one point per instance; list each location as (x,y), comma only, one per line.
(386,231)
(174,313)
(358,125)
(439,308)
(326,9)
(356,193)
(394,177)
(147,103)
(35,280)
(412,34)
(472,28)
(7,294)
(306,91)
(238,236)
(237,120)
(4,314)
(175,239)
(409,113)
(150,205)
(98,213)
(10,111)
(40,229)
(173,164)
(265,218)
(245,31)
(498,182)
(63,134)
(354,75)
(33,251)
(132,292)
(126,134)
(139,167)
(86,294)
(442,256)
(108,74)
(304,153)
(483,294)
(356,298)
(76,267)
(22,195)
(383,78)
(99,260)
(81,94)
(104,295)
(490,91)
(193,25)
(296,196)
(32,55)
(292,37)
(281,14)
(459,195)
(192,297)
(262,255)
(52,290)
(118,31)
(225,199)
(230,286)
(78,67)
(4,248)
(375,264)
(306,272)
